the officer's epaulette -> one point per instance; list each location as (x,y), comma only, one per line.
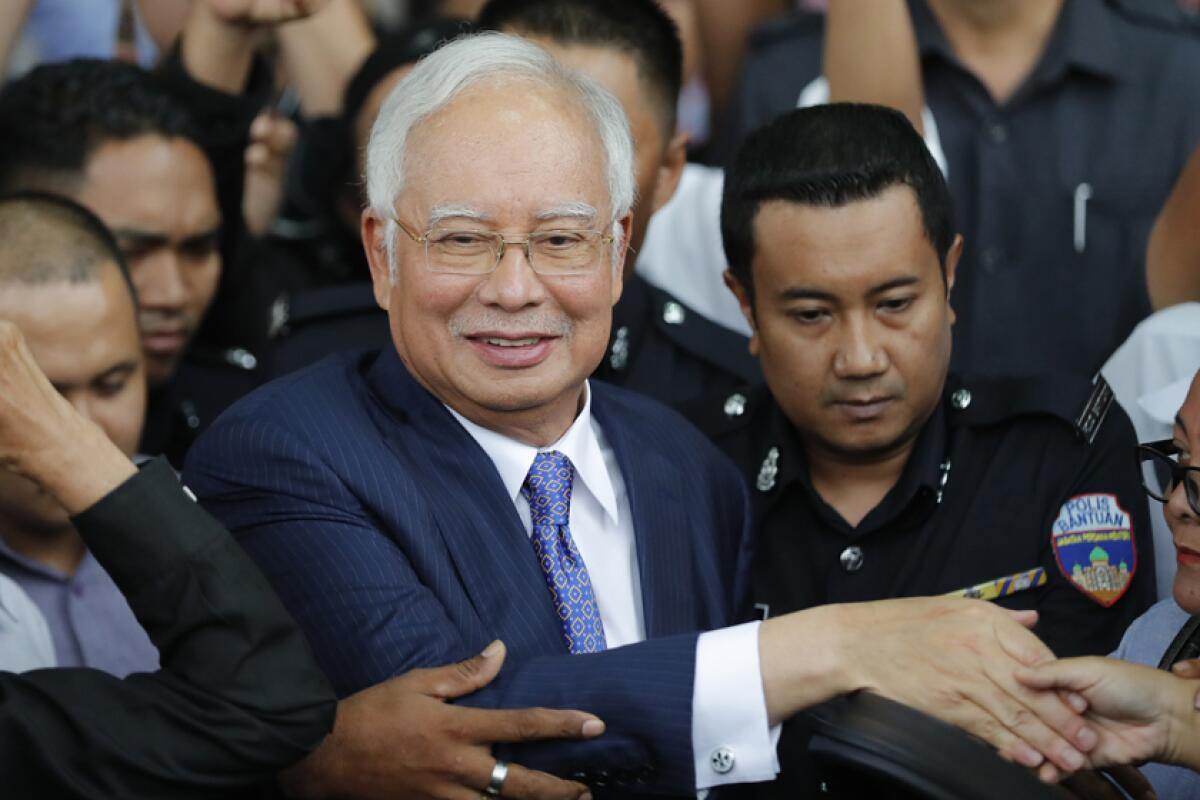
(1078,401)
(718,415)
(699,335)
(326,302)
(782,30)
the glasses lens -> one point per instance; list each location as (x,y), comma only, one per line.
(464,252)
(1156,473)
(563,252)
(1191,480)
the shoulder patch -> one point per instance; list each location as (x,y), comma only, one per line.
(1094,547)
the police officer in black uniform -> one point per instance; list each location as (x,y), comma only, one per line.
(872,473)
(658,345)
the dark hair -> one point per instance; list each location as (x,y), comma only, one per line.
(52,118)
(49,238)
(407,45)
(830,156)
(639,28)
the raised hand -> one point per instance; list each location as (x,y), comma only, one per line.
(44,439)
(264,12)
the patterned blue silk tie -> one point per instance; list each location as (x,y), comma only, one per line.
(548,490)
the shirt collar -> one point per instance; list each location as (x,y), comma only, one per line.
(582,443)
(921,471)
(40,569)
(1083,37)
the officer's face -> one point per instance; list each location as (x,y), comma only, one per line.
(851,321)
(660,155)
(510,345)
(158,197)
(1181,519)
(85,339)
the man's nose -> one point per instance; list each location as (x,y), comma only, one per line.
(513,285)
(160,281)
(860,352)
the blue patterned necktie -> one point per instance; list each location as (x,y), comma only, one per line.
(548,490)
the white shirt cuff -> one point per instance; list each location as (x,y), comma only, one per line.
(731,739)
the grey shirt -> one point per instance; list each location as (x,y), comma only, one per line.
(90,621)
(1144,643)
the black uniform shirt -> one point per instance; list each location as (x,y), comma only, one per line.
(207,382)
(665,350)
(1004,458)
(1055,190)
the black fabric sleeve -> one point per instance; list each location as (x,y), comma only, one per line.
(238,697)
(237,315)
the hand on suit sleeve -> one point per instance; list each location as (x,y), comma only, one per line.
(401,739)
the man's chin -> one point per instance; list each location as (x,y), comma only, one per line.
(160,370)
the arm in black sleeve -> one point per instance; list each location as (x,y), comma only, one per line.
(238,314)
(238,697)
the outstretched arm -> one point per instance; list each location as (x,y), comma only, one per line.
(1140,713)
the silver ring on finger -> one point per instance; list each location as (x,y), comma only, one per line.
(499,775)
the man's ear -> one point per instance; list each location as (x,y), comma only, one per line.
(744,300)
(952,257)
(670,170)
(618,273)
(374,239)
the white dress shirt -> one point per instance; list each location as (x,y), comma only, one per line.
(729,712)
(24,638)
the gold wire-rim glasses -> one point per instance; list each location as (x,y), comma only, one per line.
(497,242)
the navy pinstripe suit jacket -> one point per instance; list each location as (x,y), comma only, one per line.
(389,536)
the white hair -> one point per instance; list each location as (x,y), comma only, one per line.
(440,77)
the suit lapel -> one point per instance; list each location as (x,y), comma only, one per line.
(661,527)
(473,512)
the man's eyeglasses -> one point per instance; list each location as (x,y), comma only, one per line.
(1161,473)
(475,252)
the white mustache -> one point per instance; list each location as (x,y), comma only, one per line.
(547,324)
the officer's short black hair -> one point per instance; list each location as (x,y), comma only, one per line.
(51,239)
(639,28)
(54,117)
(830,156)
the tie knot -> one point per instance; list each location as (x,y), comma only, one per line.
(548,488)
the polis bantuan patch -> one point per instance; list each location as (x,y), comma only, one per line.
(1093,543)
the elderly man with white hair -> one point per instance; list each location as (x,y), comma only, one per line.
(469,483)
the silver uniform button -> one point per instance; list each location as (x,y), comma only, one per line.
(852,558)
(190,494)
(722,760)
(961,399)
(735,405)
(673,313)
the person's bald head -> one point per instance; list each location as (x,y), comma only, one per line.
(63,283)
(50,239)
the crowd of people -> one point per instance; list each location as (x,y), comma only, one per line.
(559,398)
